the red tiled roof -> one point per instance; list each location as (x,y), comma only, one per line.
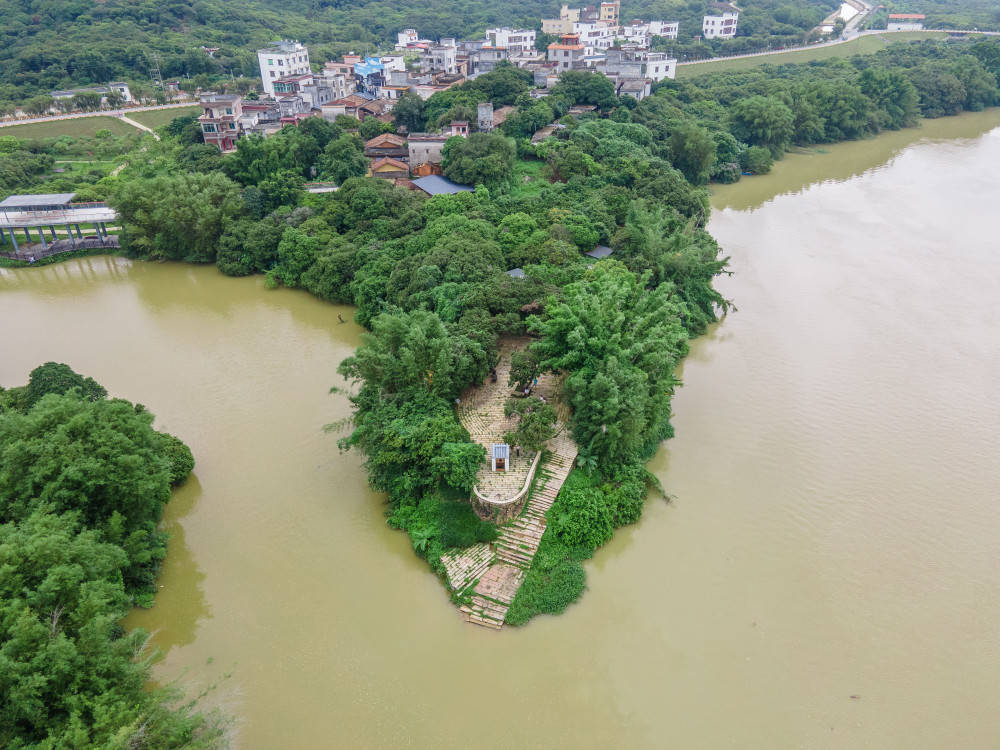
(385,139)
(388,161)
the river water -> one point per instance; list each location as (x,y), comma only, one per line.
(825,577)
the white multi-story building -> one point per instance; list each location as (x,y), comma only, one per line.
(406,37)
(722,25)
(516,41)
(439,58)
(631,62)
(281,59)
(595,36)
(567,53)
(666,29)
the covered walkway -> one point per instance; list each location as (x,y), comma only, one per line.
(34,216)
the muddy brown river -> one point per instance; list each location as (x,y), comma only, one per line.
(827,575)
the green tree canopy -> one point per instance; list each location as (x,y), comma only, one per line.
(620,344)
(176,217)
(482,158)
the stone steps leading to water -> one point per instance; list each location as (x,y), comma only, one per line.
(498,570)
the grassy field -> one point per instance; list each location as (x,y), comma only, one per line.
(860,46)
(82,165)
(78,126)
(156,118)
(528,179)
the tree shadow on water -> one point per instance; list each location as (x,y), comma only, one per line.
(180,602)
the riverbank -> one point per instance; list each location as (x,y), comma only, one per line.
(838,162)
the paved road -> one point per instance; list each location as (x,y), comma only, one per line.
(847,37)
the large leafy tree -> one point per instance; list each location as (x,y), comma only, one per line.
(408,113)
(410,368)
(620,343)
(481,159)
(413,350)
(101,459)
(693,152)
(894,96)
(580,87)
(69,677)
(763,121)
(176,217)
(343,158)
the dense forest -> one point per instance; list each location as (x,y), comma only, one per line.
(83,482)
(429,276)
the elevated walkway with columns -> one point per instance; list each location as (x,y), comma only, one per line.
(34,216)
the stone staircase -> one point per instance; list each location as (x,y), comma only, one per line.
(493,594)
(467,567)
(518,541)
(491,575)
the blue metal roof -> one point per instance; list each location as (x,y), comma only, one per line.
(369,66)
(438,185)
(517,273)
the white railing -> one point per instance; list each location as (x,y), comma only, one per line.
(507,502)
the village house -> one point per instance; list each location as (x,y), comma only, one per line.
(608,12)
(340,81)
(389,169)
(380,109)
(347,106)
(425,147)
(637,88)
(515,41)
(220,120)
(905,22)
(721,24)
(567,53)
(280,59)
(631,62)
(262,117)
(119,88)
(642,32)
(666,29)
(439,58)
(595,36)
(387,144)
(313,92)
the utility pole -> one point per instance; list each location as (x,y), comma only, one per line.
(154,69)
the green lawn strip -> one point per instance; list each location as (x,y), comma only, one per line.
(75,126)
(860,46)
(155,118)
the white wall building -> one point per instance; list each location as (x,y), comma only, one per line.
(722,25)
(516,41)
(567,53)
(438,58)
(280,59)
(666,29)
(595,36)
(406,37)
(635,62)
